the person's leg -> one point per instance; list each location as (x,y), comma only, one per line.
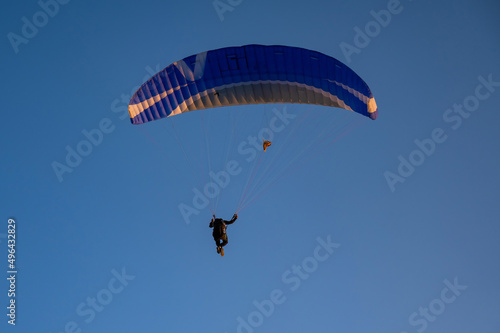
(224,240)
(217,243)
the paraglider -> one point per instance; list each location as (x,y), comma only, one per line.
(250,74)
(219,232)
(265,144)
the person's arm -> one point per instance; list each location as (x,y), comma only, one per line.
(235,217)
(211,225)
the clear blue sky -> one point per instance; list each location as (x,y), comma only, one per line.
(117,212)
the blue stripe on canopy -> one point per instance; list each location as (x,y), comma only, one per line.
(251,74)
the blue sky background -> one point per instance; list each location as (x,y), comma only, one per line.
(118,209)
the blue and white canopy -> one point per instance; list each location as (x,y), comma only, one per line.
(251,74)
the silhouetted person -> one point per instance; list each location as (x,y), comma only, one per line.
(219,232)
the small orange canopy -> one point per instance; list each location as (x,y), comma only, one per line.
(266,144)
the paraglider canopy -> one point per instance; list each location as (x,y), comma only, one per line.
(251,74)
